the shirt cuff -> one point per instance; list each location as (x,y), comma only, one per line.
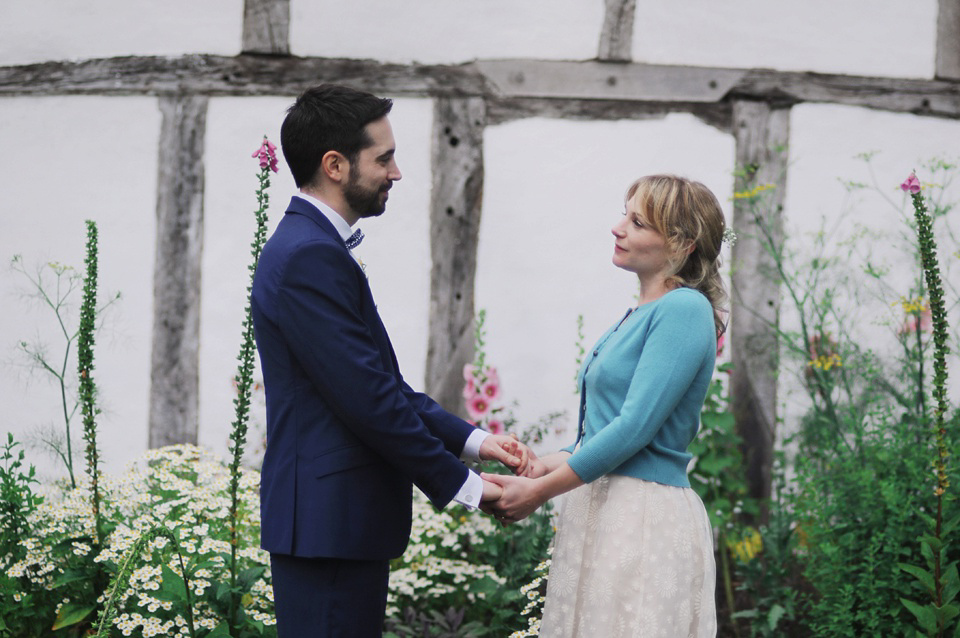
(472,491)
(471,449)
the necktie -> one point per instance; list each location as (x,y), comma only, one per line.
(354,240)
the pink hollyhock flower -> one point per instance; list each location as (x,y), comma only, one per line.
(267,154)
(469,389)
(495,426)
(468,372)
(492,375)
(911,185)
(721,341)
(478,407)
(491,390)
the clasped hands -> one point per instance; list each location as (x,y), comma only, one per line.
(511,498)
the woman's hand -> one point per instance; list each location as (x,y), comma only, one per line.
(519,499)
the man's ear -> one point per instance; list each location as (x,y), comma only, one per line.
(334,166)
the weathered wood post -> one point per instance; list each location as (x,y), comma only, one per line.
(761,134)
(266,26)
(174,366)
(455,202)
(948,41)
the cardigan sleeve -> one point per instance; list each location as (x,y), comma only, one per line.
(679,337)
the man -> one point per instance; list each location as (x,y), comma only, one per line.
(346,436)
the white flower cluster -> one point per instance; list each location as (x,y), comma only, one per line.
(533,591)
(436,563)
(181,487)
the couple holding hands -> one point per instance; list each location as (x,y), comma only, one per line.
(347,438)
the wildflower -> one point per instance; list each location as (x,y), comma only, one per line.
(495,426)
(753,192)
(911,184)
(477,407)
(267,154)
(491,389)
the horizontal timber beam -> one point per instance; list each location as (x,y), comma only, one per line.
(512,82)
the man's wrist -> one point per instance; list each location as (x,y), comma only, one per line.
(471,449)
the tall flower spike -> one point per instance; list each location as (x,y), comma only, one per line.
(267,154)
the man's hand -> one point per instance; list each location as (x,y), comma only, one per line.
(519,499)
(491,492)
(508,450)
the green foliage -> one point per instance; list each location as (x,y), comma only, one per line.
(463,560)
(244,384)
(86,334)
(181,489)
(17,502)
(56,295)
(938,577)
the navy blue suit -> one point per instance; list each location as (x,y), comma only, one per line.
(346,436)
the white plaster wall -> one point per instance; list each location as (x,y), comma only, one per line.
(41,30)
(68,160)
(858,37)
(445,31)
(553,188)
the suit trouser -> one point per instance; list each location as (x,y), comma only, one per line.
(329,597)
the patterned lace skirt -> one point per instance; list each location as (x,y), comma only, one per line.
(632,559)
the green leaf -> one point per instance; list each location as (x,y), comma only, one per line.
(925,616)
(172,588)
(934,543)
(220,631)
(946,613)
(921,574)
(71,614)
(247,577)
(951,583)
(776,613)
(71,576)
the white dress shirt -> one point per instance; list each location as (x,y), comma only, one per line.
(471,491)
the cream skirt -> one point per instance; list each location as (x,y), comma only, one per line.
(632,559)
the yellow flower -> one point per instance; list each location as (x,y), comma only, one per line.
(748,546)
(753,192)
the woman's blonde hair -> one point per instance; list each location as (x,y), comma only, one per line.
(689,217)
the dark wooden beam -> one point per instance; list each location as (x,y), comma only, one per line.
(175,362)
(948,40)
(455,203)
(616,37)
(266,27)
(492,79)
(500,110)
(243,75)
(761,135)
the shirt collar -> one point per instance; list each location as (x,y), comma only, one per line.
(343,228)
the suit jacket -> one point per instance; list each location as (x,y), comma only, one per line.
(346,435)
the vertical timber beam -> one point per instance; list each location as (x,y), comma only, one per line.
(174,376)
(266,27)
(455,203)
(616,38)
(948,41)
(761,133)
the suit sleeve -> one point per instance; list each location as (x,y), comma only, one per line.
(320,308)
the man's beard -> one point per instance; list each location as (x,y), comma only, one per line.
(364,202)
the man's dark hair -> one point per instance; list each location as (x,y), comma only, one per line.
(326,118)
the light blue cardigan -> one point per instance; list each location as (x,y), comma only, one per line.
(642,388)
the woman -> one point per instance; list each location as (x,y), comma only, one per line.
(634,548)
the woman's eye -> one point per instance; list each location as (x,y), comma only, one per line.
(637,223)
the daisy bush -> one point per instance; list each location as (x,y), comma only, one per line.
(181,488)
